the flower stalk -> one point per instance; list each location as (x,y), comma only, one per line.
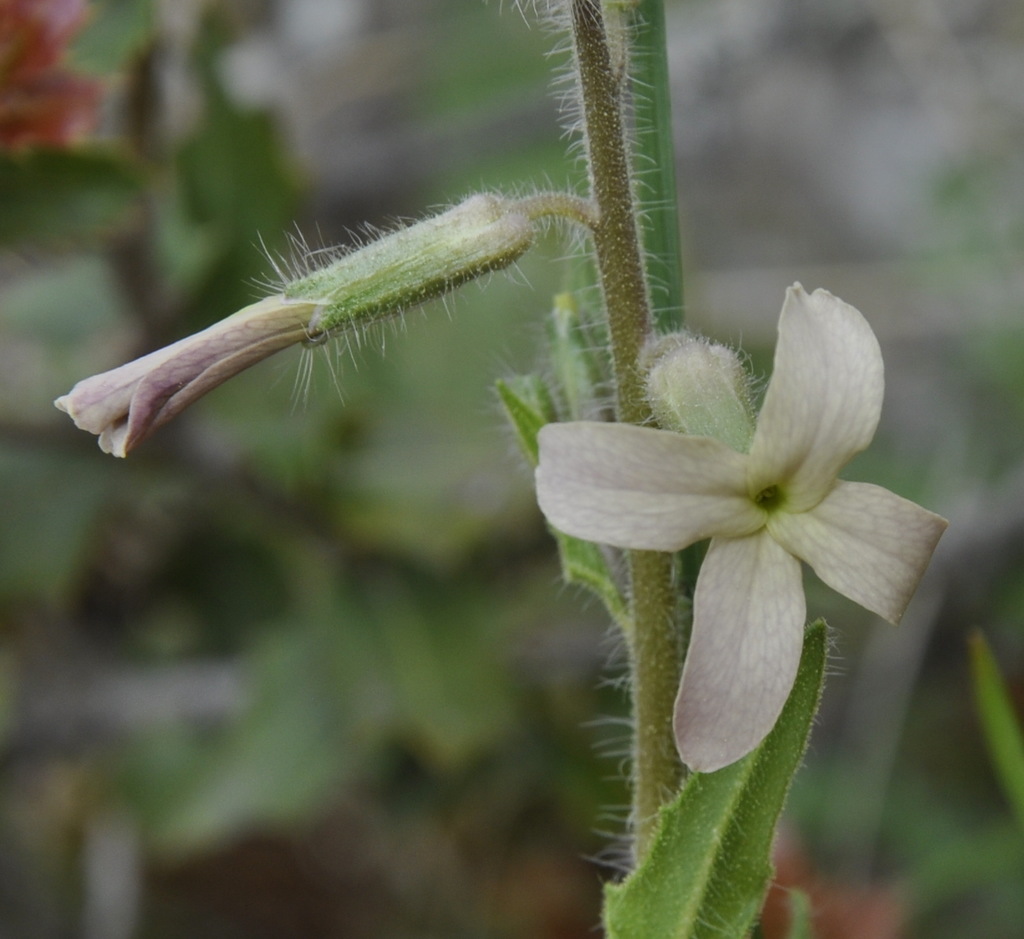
(616,238)
(654,648)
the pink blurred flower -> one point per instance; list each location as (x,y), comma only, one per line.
(40,101)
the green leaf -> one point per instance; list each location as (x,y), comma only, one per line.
(1000,723)
(709,866)
(273,765)
(528,406)
(451,695)
(51,504)
(656,163)
(54,195)
(584,564)
(800,915)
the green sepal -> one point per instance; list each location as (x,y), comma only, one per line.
(709,864)
(419,262)
(1000,724)
(529,406)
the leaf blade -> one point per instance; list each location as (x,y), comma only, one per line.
(1002,730)
(709,865)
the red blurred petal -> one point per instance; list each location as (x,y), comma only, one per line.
(34,34)
(40,103)
(50,112)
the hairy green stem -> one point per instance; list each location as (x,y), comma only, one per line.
(654,648)
(616,239)
(657,771)
(559,205)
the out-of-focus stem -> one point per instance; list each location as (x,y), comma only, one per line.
(655,152)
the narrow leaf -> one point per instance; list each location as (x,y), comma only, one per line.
(709,866)
(800,913)
(656,164)
(999,722)
(585,565)
(528,406)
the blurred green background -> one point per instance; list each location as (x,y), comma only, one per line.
(302,665)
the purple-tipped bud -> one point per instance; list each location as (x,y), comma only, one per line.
(125,405)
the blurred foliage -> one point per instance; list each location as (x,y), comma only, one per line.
(324,596)
(58,195)
(1002,729)
(301,666)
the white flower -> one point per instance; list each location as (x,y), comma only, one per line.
(764,511)
(125,405)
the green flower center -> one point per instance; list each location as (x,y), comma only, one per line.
(770,498)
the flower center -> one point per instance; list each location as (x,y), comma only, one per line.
(770,498)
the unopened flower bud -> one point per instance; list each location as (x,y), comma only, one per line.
(417,263)
(701,388)
(125,405)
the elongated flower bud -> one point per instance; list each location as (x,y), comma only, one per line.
(483,233)
(700,387)
(125,405)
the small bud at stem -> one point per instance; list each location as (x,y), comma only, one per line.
(700,387)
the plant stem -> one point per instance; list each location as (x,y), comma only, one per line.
(654,649)
(616,239)
(657,771)
(560,205)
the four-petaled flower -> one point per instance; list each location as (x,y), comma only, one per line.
(765,511)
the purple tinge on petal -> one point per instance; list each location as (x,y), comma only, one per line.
(748,625)
(870,544)
(125,405)
(635,487)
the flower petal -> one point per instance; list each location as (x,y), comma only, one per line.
(635,487)
(100,404)
(210,358)
(126,404)
(866,542)
(748,626)
(824,399)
